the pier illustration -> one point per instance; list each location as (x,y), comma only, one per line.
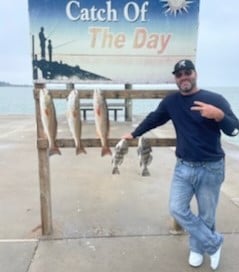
(51,69)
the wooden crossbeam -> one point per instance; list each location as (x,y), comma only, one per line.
(65,143)
(112,94)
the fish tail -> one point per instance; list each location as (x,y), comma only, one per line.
(54,150)
(145,172)
(80,150)
(105,151)
(115,171)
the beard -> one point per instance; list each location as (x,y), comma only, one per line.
(186,86)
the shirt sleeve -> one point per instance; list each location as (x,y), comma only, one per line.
(229,124)
(154,119)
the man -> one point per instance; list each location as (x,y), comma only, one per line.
(49,47)
(198,116)
(42,39)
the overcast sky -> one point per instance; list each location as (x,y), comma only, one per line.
(217,48)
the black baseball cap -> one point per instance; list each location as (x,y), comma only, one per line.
(183,65)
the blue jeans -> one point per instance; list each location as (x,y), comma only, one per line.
(202,180)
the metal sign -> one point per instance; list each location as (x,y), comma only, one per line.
(111,41)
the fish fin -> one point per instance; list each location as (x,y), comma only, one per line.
(121,161)
(80,150)
(145,172)
(115,171)
(105,150)
(149,159)
(140,162)
(75,114)
(98,111)
(46,112)
(54,150)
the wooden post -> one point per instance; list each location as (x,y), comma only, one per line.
(44,171)
(45,191)
(128,105)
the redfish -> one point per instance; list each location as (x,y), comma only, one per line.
(49,121)
(74,120)
(101,121)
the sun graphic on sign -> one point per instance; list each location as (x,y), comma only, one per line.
(176,6)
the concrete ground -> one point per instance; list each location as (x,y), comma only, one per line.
(102,222)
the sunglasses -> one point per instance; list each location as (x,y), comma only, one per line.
(183,73)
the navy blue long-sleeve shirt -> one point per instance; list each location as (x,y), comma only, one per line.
(198,138)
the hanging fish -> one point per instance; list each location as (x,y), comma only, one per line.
(120,150)
(101,121)
(144,153)
(74,120)
(49,121)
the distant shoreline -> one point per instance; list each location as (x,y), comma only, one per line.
(7,84)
